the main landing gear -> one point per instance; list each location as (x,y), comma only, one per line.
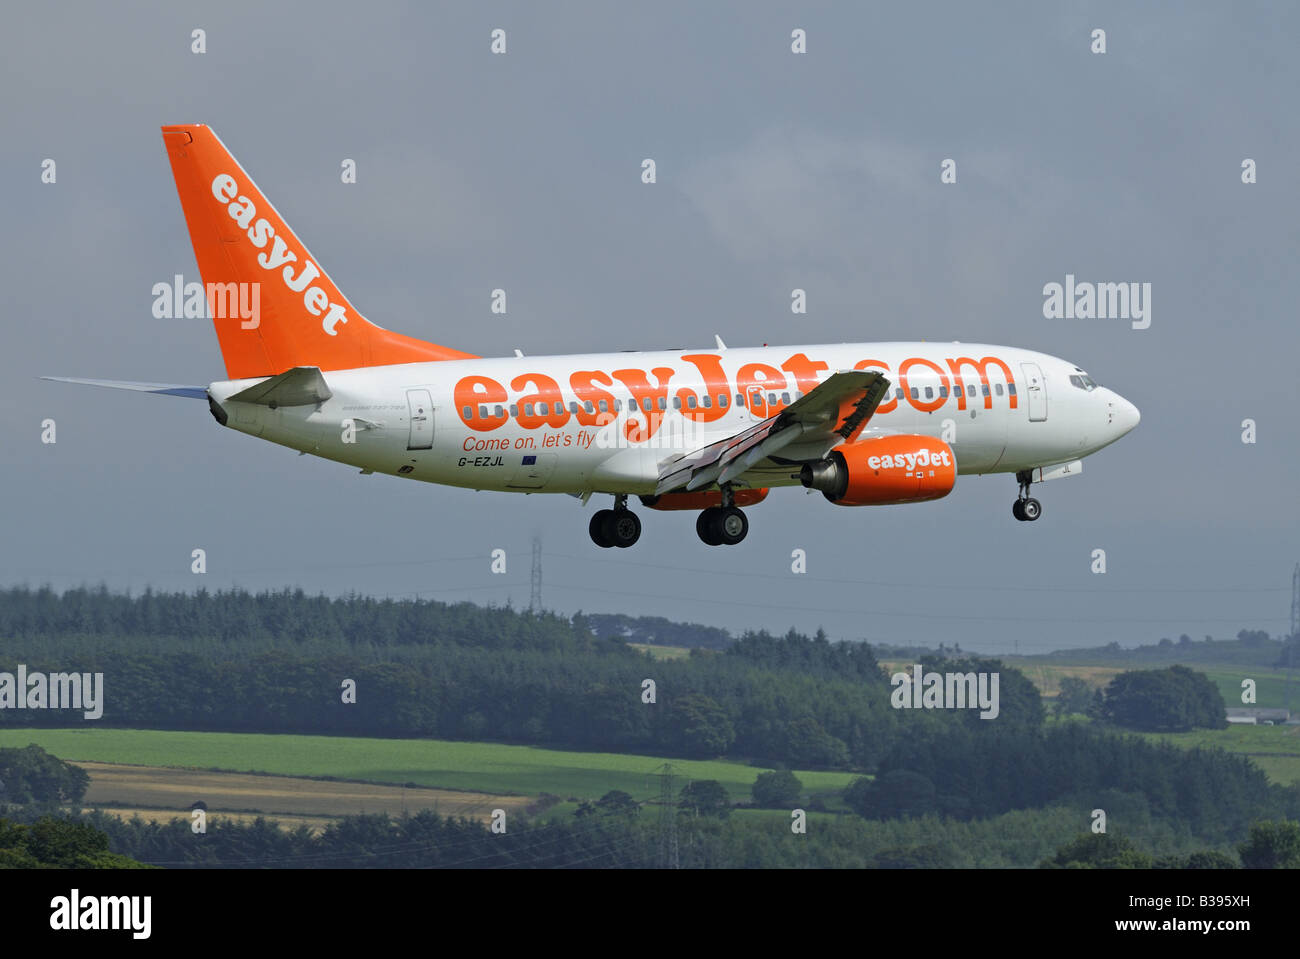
(615,527)
(724,525)
(1026,508)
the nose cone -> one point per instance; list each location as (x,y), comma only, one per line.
(1126,415)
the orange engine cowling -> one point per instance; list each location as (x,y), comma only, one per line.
(884,470)
(703,499)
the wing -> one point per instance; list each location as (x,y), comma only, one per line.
(836,411)
(166,389)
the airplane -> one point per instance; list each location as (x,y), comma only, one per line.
(706,430)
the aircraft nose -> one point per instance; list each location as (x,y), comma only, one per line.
(1126,415)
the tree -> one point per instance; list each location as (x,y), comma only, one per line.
(1075,696)
(811,745)
(58,843)
(1271,845)
(1253,637)
(31,775)
(931,856)
(618,803)
(705,797)
(1165,700)
(1210,859)
(777,789)
(898,794)
(1098,850)
(701,726)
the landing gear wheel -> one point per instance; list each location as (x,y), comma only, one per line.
(1026,508)
(706,526)
(597,528)
(732,525)
(622,528)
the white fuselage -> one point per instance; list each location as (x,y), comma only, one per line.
(611,421)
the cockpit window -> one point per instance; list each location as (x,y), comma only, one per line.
(1083,381)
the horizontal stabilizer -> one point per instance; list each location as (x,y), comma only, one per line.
(300,386)
(167,389)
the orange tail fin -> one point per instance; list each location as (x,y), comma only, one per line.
(299,317)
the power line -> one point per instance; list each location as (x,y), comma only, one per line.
(998,587)
(912,613)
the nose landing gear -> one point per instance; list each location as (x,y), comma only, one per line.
(1026,508)
(615,527)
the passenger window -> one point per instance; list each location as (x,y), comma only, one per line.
(785,398)
(916,394)
(573,406)
(590,407)
(514,409)
(943,392)
(482,412)
(898,393)
(707,401)
(929,393)
(722,401)
(984,389)
(646,404)
(970,389)
(500,412)
(1011,389)
(740,399)
(691,401)
(604,406)
(997,387)
(663,402)
(467,412)
(528,409)
(771,399)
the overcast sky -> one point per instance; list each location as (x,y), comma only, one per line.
(775,171)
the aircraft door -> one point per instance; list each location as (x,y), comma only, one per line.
(1035,392)
(421,409)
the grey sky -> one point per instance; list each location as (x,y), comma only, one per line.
(775,171)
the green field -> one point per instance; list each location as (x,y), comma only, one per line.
(1274,749)
(663,652)
(483,767)
(1271,685)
